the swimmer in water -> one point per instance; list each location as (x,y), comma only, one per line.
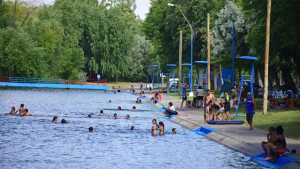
(104,91)
(137,100)
(119,108)
(12,111)
(91,129)
(109,101)
(101,113)
(161,128)
(134,108)
(63,121)
(140,101)
(154,127)
(174,131)
(132,128)
(115,93)
(127,116)
(21,110)
(115,116)
(132,89)
(119,89)
(54,120)
(27,113)
(90,115)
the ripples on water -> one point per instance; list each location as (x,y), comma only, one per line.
(35,142)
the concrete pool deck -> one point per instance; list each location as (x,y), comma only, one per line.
(236,137)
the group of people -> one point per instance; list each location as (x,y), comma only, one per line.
(22,111)
(160,127)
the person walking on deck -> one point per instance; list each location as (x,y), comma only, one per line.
(250,108)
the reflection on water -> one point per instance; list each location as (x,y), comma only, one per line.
(35,142)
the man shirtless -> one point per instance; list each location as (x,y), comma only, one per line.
(208,97)
(21,110)
(132,89)
(27,113)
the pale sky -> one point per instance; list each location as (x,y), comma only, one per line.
(141,10)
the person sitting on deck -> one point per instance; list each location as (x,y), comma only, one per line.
(272,103)
(170,110)
(270,146)
(101,113)
(188,104)
(291,103)
(269,138)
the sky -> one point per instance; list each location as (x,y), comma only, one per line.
(141,10)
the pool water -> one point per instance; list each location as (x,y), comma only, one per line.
(36,142)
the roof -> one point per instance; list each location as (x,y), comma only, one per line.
(205,62)
(152,66)
(247,57)
(172,65)
(186,64)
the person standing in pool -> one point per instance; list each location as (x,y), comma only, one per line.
(227,105)
(127,116)
(115,116)
(119,89)
(21,110)
(141,86)
(174,131)
(208,97)
(154,127)
(184,97)
(132,128)
(134,108)
(27,113)
(132,89)
(250,108)
(91,129)
(161,128)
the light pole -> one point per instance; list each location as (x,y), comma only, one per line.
(233,31)
(191,73)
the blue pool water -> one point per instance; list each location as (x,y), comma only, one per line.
(35,142)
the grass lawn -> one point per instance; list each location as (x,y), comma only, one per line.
(288,118)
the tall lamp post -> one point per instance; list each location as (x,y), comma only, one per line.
(191,80)
(233,31)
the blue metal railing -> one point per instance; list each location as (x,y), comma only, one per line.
(36,80)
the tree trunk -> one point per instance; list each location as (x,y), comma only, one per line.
(221,76)
(256,77)
(215,77)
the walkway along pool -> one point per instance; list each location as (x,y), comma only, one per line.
(36,142)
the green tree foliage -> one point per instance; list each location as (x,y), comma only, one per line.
(70,37)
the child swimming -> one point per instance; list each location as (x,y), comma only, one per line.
(161,128)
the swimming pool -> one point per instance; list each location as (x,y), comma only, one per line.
(35,142)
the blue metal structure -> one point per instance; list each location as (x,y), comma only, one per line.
(186,76)
(246,78)
(154,71)
(191,83)
(201,75)
(170,66)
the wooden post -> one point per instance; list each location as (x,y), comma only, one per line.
(179,66)
(265,100)
(221,76)
(208,53)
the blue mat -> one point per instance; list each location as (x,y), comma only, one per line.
(225,122)
(162,108)
(143,97)
(281,161)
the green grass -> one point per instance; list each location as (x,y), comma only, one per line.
(288,118)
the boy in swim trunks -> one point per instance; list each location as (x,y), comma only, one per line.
(208,97)
(21,110)
(209,110)
(220,110)
(27,113)
(234,97)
